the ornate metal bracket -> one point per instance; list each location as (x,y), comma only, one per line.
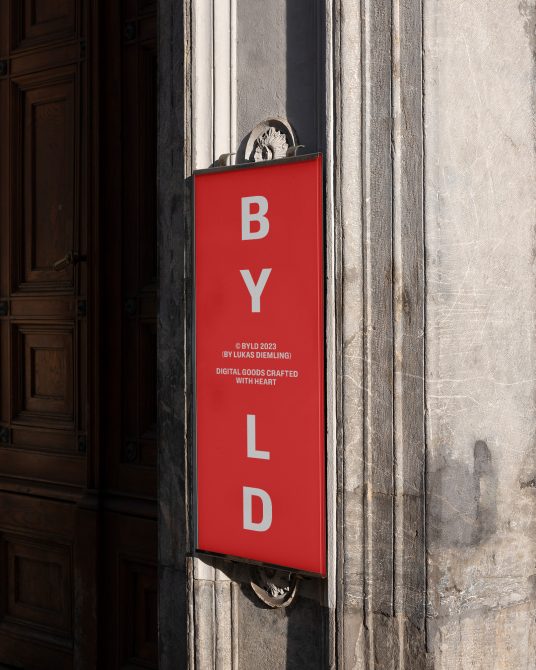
(271,139)
(275,588)
(224,160)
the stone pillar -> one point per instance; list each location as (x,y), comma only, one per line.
(425,113)
(481,366)
(348,78)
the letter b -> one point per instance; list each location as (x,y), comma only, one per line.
(248,216)
(266,521)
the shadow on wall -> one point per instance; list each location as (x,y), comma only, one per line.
(301,624)
(304,86)
(463,501)
(293,638)
(307,619)
(305,71)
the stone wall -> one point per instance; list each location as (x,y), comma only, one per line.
(425,112)
(481,332)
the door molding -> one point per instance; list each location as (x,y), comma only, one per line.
(173,165)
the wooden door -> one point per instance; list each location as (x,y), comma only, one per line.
(77,434)
(128,352)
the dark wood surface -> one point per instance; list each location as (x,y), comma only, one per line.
(174,160)
(78,346)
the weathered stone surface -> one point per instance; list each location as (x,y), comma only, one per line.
(481,366)
(286,639)
(278,67)
(342,72)
(480,211)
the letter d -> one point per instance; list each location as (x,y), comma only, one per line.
(266,520)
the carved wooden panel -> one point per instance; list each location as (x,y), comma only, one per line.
(147,414)
(131,468)
(147,165)
(45,126)
(5,381)
(37,576)
(44,374)
(131,608)
(73,450)
(40,21)
(128,367)
(139,630)
(38,583)
(139,252)
(44,389)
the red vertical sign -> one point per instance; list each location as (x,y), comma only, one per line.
(259,363)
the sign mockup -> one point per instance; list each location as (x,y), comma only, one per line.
(259,363)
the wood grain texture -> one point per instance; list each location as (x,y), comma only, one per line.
(56,491)
(45,390)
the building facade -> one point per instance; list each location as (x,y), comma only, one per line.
(424,112)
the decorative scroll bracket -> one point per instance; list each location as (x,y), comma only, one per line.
(275,588)
(271,139)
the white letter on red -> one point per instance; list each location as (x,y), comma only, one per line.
(255,290)
(259,216)
(266,521)
(252,440)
